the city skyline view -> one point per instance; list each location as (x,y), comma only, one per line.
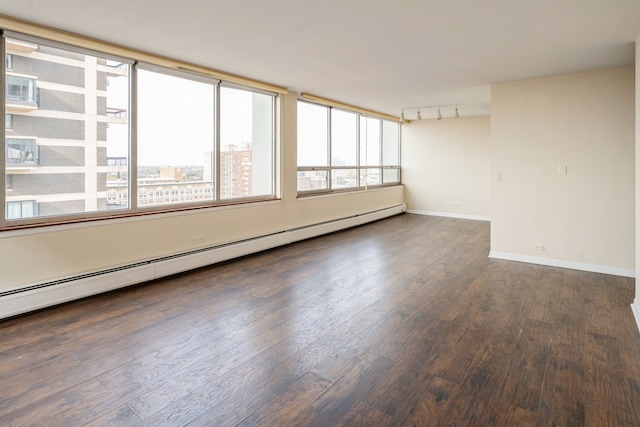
(70,146)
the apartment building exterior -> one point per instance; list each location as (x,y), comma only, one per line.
(236,171)
(56,125)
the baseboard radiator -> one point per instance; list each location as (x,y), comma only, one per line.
(40,295)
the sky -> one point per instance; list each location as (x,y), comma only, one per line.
(175,125)
(175,119)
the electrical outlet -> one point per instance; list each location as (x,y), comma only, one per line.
(198,239)
(454,204)
(538,247)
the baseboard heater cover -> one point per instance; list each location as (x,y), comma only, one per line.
(33,297)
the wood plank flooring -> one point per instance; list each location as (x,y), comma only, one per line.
(404,321)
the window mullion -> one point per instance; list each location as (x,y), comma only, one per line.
(3,151)
(133,137)
(217,167)
(380,148)
(399,153)
(358,133)
(276,184)
(329,156)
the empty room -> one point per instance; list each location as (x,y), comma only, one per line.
(320,213)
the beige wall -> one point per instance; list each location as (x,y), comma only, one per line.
(446,166)
(51,253)
(586,122)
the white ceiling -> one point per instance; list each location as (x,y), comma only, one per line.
(376,54)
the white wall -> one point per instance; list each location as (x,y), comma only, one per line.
(584,218)
(446,166)
(44,254)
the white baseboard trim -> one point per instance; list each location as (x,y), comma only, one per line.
(40,295)
(450,215)
(593,268)
(635,308)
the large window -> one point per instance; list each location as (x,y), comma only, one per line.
(56,153)
(175,135)
(77,145)
(246,143)
(390,152)
(344,150)
(313,150)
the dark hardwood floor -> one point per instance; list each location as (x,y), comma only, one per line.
(405,321)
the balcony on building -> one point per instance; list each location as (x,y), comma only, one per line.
(117,169)
(116,115)
(21,93)
(22,153)
(20,46)
(114,68)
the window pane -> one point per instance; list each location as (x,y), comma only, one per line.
(21,151)
(370,177)
(312,135)
(21,209)
(21,89)
(175,138)
(344,138)
(117,175)
(246,143)
(344,178)
(28,209)
(14,210)
(390,143)
(59,104)
(313,180)
(390,176)
(369,141)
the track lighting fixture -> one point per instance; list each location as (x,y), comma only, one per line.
(438,116)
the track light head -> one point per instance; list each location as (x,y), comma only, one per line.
(429,108)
